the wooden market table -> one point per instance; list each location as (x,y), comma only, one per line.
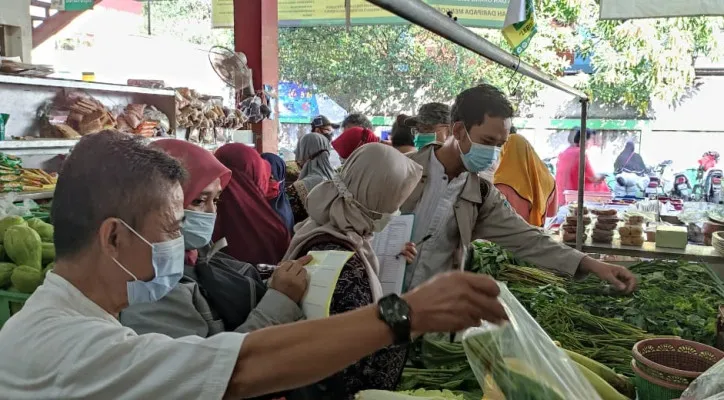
(692,252)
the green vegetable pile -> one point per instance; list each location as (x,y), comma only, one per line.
(26,254)
(674,298)
(435,363)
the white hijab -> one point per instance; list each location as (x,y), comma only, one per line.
(375,180)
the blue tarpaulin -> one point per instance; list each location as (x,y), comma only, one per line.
(298,104)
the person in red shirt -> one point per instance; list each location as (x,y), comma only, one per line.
(567,170)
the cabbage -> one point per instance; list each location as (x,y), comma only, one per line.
(44,229)
(48,251)
(6,271)
(9,221)
(26,279)
(24,247)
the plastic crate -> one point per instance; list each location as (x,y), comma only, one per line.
(571,196)
(10,303)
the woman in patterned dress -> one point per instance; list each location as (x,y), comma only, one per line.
(344,212)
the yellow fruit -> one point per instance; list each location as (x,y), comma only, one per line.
(620,383)
(602,388)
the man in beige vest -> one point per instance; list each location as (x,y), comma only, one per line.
(454,206)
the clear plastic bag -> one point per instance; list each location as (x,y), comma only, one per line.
(708,386)
(519,361)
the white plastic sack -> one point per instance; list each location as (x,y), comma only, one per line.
(708,386)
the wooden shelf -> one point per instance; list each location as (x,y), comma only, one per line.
(74,84)
(37,144)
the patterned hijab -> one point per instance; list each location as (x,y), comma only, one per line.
(376,179)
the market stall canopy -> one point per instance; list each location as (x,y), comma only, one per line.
(630,9)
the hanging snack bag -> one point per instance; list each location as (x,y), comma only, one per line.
(519,361)
(3,121)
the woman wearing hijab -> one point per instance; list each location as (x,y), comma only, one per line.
(312,155)
(630,171)
(351,139)
(254,231)
(280,203)
(217,293)
(343,215)
(525,181)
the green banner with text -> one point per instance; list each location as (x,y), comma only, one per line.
(71,5)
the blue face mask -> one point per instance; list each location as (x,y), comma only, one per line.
(423,139)
(480,157)
(198,229)
(168,266)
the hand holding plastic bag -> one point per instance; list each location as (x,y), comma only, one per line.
(518,361)
(708,386)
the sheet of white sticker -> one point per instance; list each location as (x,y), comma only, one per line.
(324,271)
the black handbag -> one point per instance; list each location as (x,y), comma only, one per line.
(232,288)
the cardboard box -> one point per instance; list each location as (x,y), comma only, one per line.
(674,237)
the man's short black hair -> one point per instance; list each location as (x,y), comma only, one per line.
(472,105)
(108,174)
(577,136)
(401,134)
(356,119)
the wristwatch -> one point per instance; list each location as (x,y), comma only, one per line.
(395,312)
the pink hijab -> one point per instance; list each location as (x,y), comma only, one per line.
(203,168)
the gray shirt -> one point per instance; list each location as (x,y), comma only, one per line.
(185,311)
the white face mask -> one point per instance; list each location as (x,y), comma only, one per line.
(167,259)
(198,229)
(381,224)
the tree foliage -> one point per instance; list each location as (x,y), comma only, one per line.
(384,69)
(392,68)
(387,69)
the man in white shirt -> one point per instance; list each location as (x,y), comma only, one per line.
(118,211)
(453,206)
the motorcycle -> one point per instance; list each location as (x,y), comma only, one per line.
(713,187)
(682,187)
(708,178)
(657,182)
(631,185)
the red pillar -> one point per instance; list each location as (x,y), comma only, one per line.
(256,34)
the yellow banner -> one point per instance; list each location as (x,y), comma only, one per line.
(473,13)
(222,13)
